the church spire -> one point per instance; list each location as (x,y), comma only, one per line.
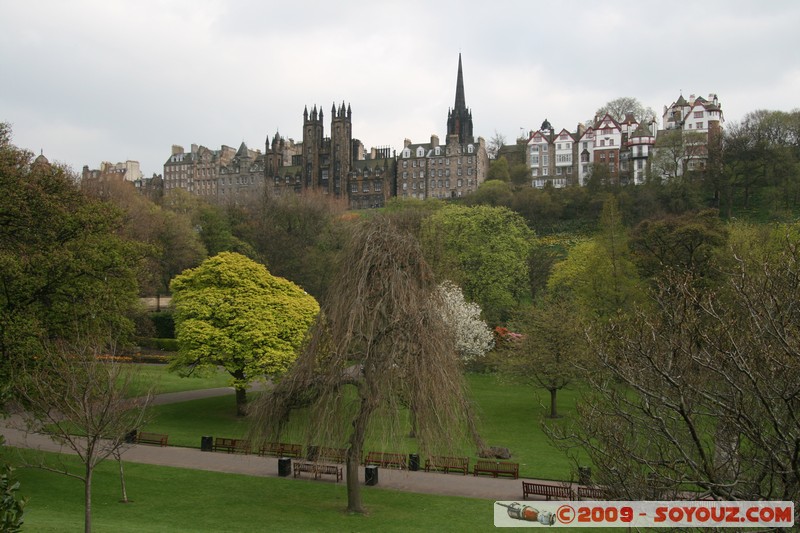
(459,119)
(460,100)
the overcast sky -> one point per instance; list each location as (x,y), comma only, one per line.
(90,81)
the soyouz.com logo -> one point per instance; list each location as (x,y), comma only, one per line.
(643,514)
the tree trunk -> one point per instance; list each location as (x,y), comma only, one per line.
(354,453)
(122,481)
(553,403)
(241,400)
(87,495)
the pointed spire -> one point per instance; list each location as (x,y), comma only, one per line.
(460,99)
(305,113)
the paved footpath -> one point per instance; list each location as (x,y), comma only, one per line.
(422,482)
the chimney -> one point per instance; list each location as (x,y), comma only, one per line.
(434,140)
(177,149)
(194,148)
(406,142)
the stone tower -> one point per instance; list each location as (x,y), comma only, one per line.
(341,146)
(459,119)
(313,137)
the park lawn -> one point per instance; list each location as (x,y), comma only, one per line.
(509,415)
(182,500)
(162,380)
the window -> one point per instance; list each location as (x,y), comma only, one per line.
(405,186)
(602,142)
(447,184)
(535,160)
(365,187)
(611,142)
(559,171)
(433,184)
(544,172)
(459,183)
(534,149)
(405,164)
(544,148)
(698,114)
(354,187)
(545,160)
(699,125)
(534,172)
(421,173)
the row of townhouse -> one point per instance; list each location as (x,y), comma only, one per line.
(624,151)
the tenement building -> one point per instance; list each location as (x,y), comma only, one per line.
(449,170)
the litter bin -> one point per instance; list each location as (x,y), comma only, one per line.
(206,443)
(584,475)
(413,462)
(284,466)
(130,437)
(371,475)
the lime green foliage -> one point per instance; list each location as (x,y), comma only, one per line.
(230,311)
(485,251)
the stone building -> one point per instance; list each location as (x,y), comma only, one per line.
(449,170)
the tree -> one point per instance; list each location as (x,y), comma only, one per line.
(485,251)
(473,337)
(551,350)
(64,267)
(619,108)
(499,170)
(495,143)
(230,311)
(82,402)
(702,390)
(599,272)
(491,192)
(379,344)
(12,507)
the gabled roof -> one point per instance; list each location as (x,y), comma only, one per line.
(642,131)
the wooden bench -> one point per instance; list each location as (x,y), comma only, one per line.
(318,470)
(281,449)
(231,445)
(143,437)
(331,455)
(447,464)
(496,468)
(386,460)
(591,493)
(559,492)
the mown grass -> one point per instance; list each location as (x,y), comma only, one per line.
(510,416)
(163,381)
(167,499)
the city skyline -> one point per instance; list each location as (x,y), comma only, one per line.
(97,81)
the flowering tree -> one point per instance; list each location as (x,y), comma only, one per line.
(473,336)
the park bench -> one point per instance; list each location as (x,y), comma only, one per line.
(231,445)
(591,493)
(144,437)
(386,460)
(281,449)
(559,492)
(496,468)
(322,464)
(447,464)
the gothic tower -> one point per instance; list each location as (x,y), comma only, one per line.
(341,147)
(313,134)
(273,156)
(459,119)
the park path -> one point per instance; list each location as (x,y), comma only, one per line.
(253,465)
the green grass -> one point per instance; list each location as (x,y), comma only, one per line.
(509,416)
(164,381)
(182,500)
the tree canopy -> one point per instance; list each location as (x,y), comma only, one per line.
(485,251)
(65,271)
(230,311)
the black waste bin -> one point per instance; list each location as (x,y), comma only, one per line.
(206,443)
(413,462)
(371,475)
(284,466)
(584,475)
(130,437)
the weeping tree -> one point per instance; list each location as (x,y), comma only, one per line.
(379,349)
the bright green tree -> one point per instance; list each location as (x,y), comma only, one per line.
(485,251)
(230,311)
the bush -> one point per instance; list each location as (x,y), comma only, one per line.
(164,324)
(167,345)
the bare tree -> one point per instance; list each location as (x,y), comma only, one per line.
(83,403)
(380,343)
(703,389)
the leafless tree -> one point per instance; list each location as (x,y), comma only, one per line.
(703,389)
(380,344)
(81,402)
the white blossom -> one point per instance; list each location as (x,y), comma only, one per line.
(473,336)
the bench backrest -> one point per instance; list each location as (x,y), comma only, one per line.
(333,455)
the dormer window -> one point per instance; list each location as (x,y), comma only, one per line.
(406,153)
